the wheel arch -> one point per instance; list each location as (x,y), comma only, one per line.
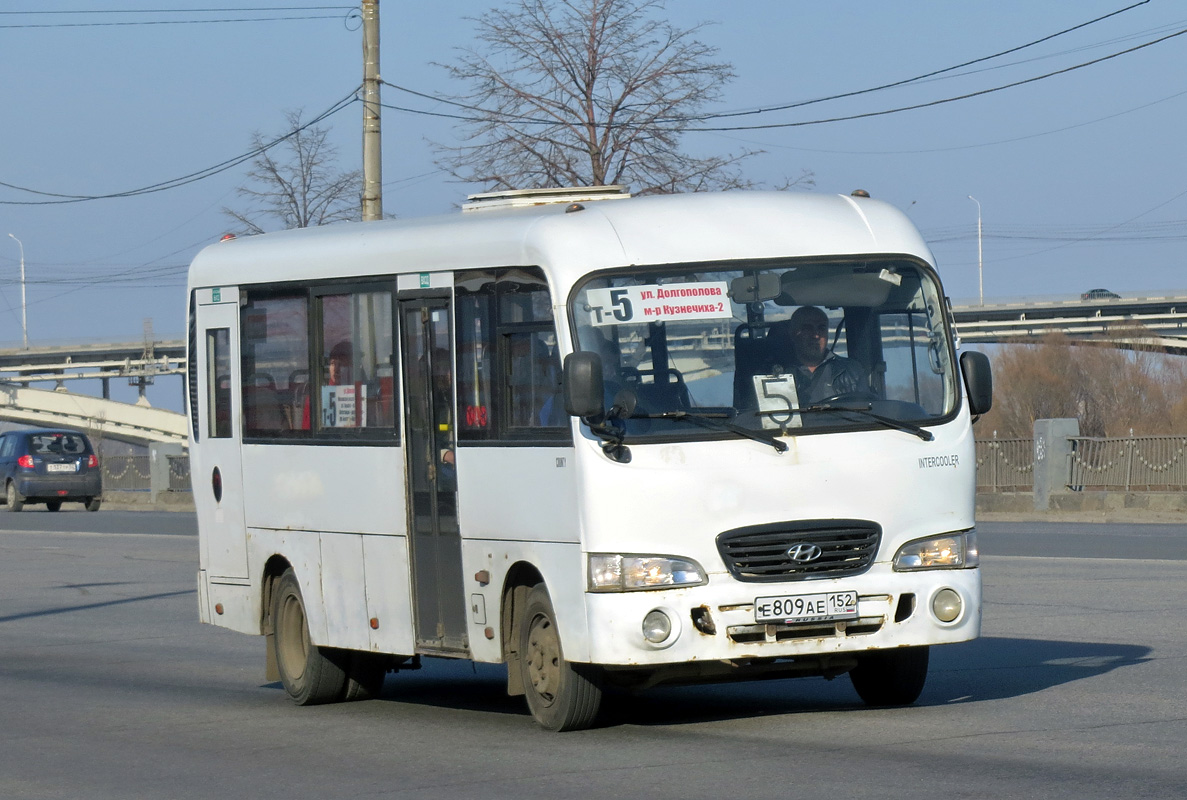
(519,580)
(274,567)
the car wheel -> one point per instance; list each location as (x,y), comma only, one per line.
(15,501)
(93,503)
(310,674)
(891,677)
(562,696)
(53,505)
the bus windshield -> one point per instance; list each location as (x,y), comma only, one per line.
(784,347)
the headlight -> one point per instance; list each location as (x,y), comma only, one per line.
(950,551)
(618,573)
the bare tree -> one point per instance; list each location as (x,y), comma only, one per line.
(587,93)
(1110,391)
(300,186)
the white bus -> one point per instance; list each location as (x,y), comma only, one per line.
(606,441)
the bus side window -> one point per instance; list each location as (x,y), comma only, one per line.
(218,383)
(355,379)
(534,384)
(508,364)
(275,347)
(531,363)
(473,309)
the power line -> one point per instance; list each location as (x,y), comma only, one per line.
(1011,140)
(74,13)
(719,129)
(349,10)
(932,103)
(184,180)
(915,79)
(506,117)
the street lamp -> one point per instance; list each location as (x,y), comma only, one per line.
(980,270)
(24,319)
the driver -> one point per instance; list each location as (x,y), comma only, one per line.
(820,374)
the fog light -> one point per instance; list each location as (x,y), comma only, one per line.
(656,627)
(946,605)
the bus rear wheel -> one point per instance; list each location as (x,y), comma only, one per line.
(562,696)
(310,674)
(365,675)
(891,677)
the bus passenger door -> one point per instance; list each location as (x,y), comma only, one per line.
(217,473)
(438,591)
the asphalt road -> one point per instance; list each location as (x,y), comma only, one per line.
(76,519)
(110,688)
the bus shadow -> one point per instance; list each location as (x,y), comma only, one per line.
(991,668)
(456,684)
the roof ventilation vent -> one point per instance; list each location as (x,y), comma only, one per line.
(525,198)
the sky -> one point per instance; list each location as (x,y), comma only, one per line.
(1077,177)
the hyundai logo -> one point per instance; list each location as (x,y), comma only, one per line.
(804,553)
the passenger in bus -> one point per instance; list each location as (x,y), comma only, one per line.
(340,372)
(820,374)
(337,373)
(339,369)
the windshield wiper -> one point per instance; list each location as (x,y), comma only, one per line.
(718,422)
(864,410)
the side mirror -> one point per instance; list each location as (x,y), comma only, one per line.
(978,381)
(582,381)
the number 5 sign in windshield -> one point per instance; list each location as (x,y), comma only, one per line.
(655,303)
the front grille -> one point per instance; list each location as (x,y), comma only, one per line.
(763,552)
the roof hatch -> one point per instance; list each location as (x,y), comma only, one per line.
(523,198)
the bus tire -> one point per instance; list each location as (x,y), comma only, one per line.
(364,677)
(891,677)
(562,696)
(310,674)
(15,501)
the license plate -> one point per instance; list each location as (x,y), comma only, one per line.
(806,607)
(61,467)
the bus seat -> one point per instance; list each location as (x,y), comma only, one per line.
(261,405)
(755,353)
(667,393)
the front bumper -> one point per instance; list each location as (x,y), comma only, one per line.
(715,622)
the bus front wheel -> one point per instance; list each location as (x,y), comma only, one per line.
(562,696)
(891,677)
(310,674)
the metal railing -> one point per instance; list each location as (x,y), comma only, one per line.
(179,473)
(126,473)
(1134,463)
(1127,464)
(134,473)
(1005,465)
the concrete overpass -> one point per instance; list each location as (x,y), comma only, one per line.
(1158,322)
(138,362)
(112,420)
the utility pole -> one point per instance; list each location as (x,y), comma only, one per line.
(24,317)
(980,263)
(372,162)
